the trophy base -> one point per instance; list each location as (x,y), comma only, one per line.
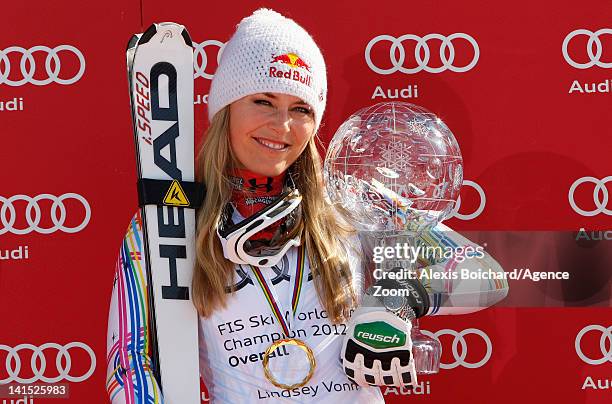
(426,350)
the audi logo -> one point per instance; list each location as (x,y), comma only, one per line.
(477,212)
(8,214)
(594,40)
(28,66)
(422,63)
(38,363)
(460,340)
(606,334)
(600,196)
(201,63)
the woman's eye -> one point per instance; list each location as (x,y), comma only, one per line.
(303,110)
(262,102)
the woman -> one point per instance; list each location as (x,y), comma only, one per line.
(273,262)
(265,105)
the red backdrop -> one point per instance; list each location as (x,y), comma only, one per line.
(526,94)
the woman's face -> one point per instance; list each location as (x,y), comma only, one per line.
(269,131)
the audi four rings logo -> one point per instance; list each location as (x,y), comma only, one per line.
(606,335)
(8,214)
(200,59)
(460,340)
(38,363)
(478,211)
(594,41)
(28,65)
(397,48)
(600,196)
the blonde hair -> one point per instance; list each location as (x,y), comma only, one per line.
(320,230)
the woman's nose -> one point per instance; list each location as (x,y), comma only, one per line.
(281,121)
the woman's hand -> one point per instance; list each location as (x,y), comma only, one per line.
(377,349)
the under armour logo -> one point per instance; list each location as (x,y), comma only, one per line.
(254,186)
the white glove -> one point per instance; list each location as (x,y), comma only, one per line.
(377,349)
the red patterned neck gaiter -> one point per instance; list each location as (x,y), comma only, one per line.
(253,192)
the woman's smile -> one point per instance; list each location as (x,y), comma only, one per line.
(271,144)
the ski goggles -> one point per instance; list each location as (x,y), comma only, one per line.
(237,238)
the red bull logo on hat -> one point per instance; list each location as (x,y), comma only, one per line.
(294,62)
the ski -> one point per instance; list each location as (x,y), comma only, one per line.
(160,77)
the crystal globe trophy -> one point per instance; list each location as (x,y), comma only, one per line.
(393,170)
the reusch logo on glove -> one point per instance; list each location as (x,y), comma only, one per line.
(379,335)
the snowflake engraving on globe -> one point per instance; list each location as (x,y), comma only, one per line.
(393,167)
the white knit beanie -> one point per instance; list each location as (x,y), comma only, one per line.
(269,53)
